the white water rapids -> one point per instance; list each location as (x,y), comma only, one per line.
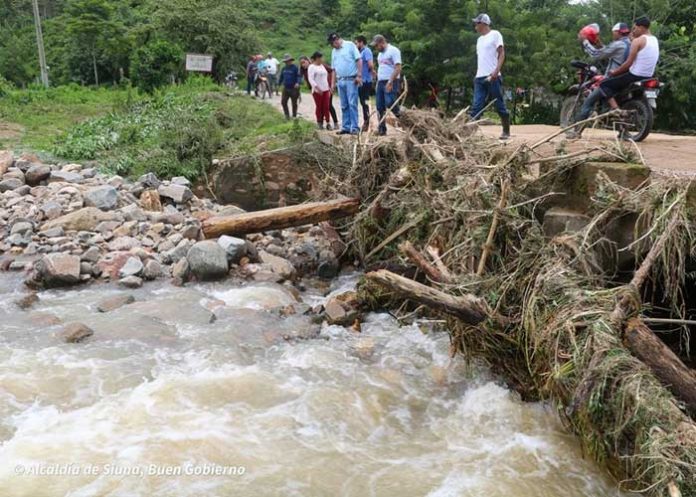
(159,388)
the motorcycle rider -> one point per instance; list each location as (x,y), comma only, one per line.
(615,53)
(640,64)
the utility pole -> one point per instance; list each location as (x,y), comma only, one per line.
(40,43)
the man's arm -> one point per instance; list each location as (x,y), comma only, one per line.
(636,46)
(604,53)
(358,60)
(396,59)
(501,60)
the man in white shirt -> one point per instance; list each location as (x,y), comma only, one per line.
(488,83)
(272,67)
(388,77)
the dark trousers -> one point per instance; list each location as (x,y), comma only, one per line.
(364,93)
(385,99)
(611,86)
(250,84)
(290,94)
(332,110)
(484,91)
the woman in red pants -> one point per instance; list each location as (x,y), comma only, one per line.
(318,78)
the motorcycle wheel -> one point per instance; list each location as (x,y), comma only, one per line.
(641,121)
(569,109)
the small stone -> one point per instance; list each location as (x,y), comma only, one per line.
(231,210)
(180,180)
(178,193)
(37,173)
(191,231)
(152,270)
(76,332)
(149,180)
(150,201)
(10,184)
(123,243)
(132,267)
(27,301)
(132,212)
(103,197)
(329,266)
(112,303)
(131,282)
(181,270)
(207,260)
(85,219)
(92,254)
(278,265)
(22,228)
(116,181)
(65,177)
(86,268)
(52,210)
(56,270)
(235,248)
(53,232)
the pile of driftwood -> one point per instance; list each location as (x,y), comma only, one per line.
(450,223)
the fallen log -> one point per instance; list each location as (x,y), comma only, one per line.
(469,308)
(664,363)
(283,217)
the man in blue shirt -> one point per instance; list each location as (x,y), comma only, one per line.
(368,69)
(290,79)
(344,61)
(388,77)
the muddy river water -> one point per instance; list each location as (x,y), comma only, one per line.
(163,402)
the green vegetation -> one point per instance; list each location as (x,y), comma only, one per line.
(177,130)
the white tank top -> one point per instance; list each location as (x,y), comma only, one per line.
(646,60)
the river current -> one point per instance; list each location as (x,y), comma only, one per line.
(161,401)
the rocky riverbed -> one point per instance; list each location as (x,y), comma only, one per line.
(67,225)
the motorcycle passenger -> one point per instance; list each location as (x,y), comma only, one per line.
(640,64)
(615,53)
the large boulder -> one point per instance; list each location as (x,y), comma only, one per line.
(207,260)
(56,270)
(178,193)
(103,197)
(37,173)
(85,219)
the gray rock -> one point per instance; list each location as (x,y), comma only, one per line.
(177,253)
(23,190)
(152,270)
(278,265)
(178,193)
(234,247)
(149,180)
(37,173)
(22,228)
(92,254)
(116,181)
(53,232)
(191,231)
(85,219)
(76,332)
(180,180)
(86,268)
(103,197)
(207,260)
(65,177)
(181,270)
(55,270)
(329,266)
(231,210)
(132,212)
(112,303)
(132,267)
(123,243)
(10,184)
(52,210)
(131,282)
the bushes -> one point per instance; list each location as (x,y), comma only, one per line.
(156,64)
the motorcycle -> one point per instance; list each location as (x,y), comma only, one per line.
(262,86)
(639,100)
(231,81)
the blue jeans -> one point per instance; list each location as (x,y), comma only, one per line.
(588,105)
(485,90)
(348,91)
(385,99)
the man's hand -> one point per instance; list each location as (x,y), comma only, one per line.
(358,80)
(612,73)
(494,75)
(390,85)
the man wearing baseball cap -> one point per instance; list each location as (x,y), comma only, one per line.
(614,54)
(488,84)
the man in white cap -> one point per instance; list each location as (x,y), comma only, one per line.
(488,83)
(272,66)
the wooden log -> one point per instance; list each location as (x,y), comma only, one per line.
(283,217)
(664,363)
(421,262)
(469,308)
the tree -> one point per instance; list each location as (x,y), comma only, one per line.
(155,64)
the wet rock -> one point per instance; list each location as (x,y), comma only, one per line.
(278,265)
(132,267)
(152,270)
(10,184)
(112,303)
(207,260)
(27,301)
(150,201)
(181,271)
(342,309)
(85,219)
(104,197)
(65,177)
(131,282)
(55,270)
(329,266)
(178,193)
(36,174)
(76,332)
(235,248)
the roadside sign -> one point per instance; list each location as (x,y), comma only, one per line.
(199,62)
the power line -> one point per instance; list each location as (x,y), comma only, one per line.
(40,43)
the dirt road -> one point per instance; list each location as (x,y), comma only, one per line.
(670,154)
